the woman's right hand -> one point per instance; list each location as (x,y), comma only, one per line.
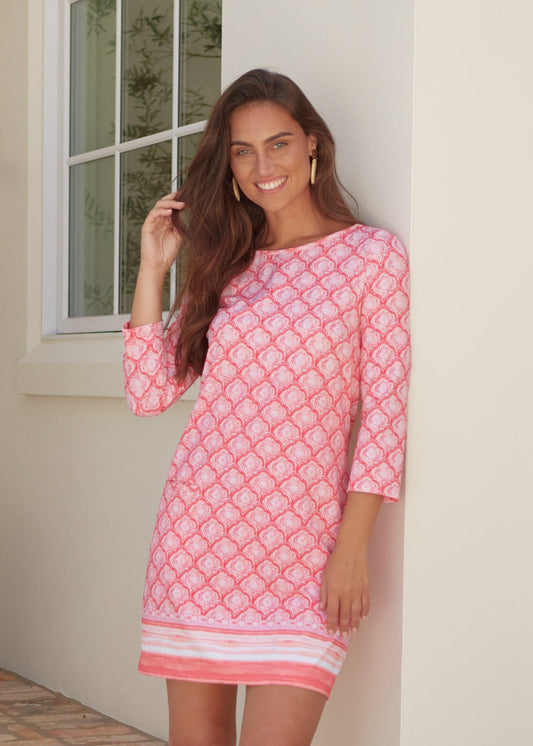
(160,241)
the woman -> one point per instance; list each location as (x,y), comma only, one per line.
(290,310)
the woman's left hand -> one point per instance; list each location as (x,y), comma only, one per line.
(345,590)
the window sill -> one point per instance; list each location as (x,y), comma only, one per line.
(77,365)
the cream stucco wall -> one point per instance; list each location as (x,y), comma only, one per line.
(445,655)
(468,590)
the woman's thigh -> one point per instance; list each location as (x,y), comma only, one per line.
(280,715)
(201,714)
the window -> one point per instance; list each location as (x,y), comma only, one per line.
(140,79)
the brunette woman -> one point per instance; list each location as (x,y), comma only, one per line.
(292,312)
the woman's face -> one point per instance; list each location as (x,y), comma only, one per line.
(269,156)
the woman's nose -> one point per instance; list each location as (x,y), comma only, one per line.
(264,164)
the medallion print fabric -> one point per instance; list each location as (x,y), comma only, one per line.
(254,496)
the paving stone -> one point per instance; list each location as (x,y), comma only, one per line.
(31,714)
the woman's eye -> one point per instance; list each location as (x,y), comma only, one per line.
(242,152)
(279,145)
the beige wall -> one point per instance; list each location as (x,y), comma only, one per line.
(468,590)
(13,183)
(444,657)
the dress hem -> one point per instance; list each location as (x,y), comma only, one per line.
(164,670)
(197,653)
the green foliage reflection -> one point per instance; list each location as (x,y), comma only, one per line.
(147,90)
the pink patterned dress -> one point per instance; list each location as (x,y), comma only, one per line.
(255,491)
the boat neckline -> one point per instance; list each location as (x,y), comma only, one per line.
(310,243)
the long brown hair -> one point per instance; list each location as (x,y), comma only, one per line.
(221,235)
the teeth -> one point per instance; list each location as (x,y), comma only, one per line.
(271,184)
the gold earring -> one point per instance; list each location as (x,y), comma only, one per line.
(313,167)
(236,189)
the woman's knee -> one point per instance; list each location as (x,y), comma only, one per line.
(281,715)
(206,735)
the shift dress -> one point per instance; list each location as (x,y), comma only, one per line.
(254,496)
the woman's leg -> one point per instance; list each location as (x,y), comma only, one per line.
(280,715)
(201,714)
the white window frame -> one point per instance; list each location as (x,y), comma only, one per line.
(57,163)
(56,364)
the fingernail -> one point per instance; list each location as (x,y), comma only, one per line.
(331,631)
(346,635)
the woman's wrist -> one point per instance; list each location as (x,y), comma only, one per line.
(155,275)
(359,516)
(352,543)
(147,307)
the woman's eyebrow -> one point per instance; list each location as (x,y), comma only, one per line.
(269,139)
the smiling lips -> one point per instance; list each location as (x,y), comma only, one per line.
(269,186)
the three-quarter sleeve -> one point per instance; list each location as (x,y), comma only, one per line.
(149,368)
(385,362)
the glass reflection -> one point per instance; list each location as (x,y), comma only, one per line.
(147,67)
(92,75)
(200,48)
(91,238)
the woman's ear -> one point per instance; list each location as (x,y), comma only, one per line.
(312,142)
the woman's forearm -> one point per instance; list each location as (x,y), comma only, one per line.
(147,305)
(359,516)
(345,589)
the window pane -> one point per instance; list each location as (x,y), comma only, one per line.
(201,35)
(147,67)
(91,238)
(145,179)
(92,75)
(186,149)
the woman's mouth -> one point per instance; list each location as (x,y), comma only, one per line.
(271,186)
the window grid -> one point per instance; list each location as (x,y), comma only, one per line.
(113,322)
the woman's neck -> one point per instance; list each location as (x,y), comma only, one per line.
(285,231)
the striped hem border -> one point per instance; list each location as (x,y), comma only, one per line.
(229,656)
